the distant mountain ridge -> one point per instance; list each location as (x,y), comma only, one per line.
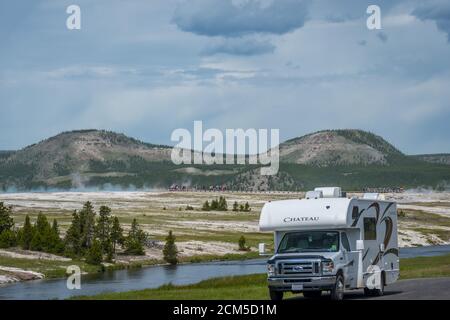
(78,152)
(5,153)
(338,147)
(441,158)
(97,157)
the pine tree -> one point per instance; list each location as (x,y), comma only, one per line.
(206,206)
(42,234)
(26,234)
(116,233)
(56,244)
(134,243)
(8,237)
(222,204)
(103,228)
(109,250)
(170,250)
(6,221)
(94,253)
(55,228)
(18,233)
(73,237)
(87,221)
(235,206)
(247,207)
(214,204)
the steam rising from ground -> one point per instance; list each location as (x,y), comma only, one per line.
(443,186)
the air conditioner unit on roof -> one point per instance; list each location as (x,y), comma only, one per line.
(330,192)
(314,195)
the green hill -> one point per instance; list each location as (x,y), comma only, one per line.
(339,147)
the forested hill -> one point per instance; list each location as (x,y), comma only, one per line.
(353,159)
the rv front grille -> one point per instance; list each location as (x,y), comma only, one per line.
(299,267)
(297,280)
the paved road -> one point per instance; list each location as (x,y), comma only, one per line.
(417,289)
(414,289)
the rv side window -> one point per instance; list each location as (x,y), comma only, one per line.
(355,213)
(345,242)
(370,232)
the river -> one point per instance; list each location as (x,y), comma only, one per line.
(153,277)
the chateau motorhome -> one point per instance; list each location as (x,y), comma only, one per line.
(328,242)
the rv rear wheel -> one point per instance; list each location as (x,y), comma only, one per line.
(275,295)
(312,294)
(376,292)
(380,292)
(337,293)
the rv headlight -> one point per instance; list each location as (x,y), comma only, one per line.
(270,269)
(327,266)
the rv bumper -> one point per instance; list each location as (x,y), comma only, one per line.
(301,284)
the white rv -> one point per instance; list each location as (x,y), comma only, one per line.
(327,242)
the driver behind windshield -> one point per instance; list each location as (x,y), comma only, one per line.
(309,241)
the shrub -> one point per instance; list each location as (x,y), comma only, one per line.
(206,206)
(8,239)
(243,244)
(170,250)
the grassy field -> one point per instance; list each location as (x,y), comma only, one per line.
(201,235)
(160,212)
(433,227)
(423,218)
(425,267)
(254,286)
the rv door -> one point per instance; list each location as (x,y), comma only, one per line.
(351,259)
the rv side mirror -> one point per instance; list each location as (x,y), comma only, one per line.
(262,249)
(382,247)
(360,245)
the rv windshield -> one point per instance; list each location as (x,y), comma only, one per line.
(310,241)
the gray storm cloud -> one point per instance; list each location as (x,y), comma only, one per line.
(239,46)
(437,11)
(231,19)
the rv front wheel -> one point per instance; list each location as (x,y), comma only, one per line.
(276,295)
(337,293)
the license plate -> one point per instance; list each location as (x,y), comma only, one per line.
(297,287)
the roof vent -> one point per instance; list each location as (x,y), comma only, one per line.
(314,195)
(330,192)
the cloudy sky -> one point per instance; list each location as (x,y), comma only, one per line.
(147,67)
